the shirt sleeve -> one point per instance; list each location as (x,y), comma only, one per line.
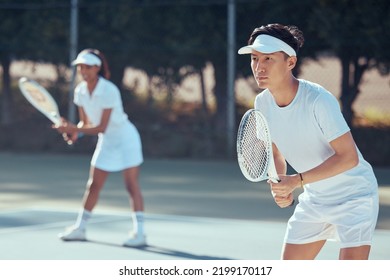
(329,117)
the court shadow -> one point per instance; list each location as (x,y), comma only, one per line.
(160,250)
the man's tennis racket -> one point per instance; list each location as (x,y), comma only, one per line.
(254,148)
(41,99)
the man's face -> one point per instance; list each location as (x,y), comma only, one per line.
(269,70)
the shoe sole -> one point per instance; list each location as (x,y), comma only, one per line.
(135,245)
(72,239)
(63,238)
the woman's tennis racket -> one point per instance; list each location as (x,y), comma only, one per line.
(254,148)
(41,99)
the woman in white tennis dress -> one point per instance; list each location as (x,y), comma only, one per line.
(340,197)
(118,148)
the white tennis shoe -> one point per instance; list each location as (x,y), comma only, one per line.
(135,240)
(73,234)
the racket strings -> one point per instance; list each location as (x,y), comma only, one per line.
(253,148)
(40,99)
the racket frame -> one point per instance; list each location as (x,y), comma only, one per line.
(270,168)
(54,114)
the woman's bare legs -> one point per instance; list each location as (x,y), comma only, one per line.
(130,177)
(137,237)
(97,178)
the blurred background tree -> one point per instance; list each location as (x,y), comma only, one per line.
(169,40)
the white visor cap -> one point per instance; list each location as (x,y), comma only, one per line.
(87,58)
(267,44)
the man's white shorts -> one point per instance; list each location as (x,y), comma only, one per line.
(352,223)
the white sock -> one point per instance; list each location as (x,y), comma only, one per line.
(138,222)
(82,219)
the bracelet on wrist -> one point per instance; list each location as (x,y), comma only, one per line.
(302,184)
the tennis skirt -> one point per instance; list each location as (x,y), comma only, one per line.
(352,223)
(118,149)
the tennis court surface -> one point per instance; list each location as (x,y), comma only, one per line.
(195,210)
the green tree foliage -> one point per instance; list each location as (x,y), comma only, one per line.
(357,32)
(170,39)
(10,46)
(30,31)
